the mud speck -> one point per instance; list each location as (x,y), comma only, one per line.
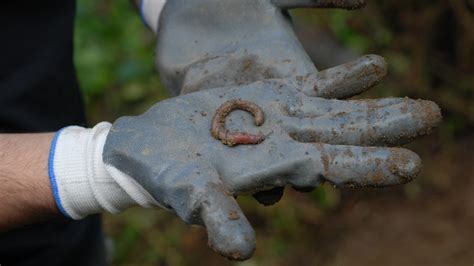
(233,215)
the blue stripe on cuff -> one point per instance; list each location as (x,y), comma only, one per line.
(52,177)
(142,14)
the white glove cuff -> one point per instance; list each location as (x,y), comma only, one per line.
(80,180)
(150,11)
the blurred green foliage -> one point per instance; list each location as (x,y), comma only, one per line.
(114,55)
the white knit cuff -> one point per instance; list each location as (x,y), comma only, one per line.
(150,11)
(80,181)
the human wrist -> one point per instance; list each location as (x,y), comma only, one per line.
(80,182)
(25,193)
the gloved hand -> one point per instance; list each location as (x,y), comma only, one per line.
(206,44)
(168,157)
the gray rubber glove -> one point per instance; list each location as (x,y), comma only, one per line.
(215,43)
(171,153)
(205,44)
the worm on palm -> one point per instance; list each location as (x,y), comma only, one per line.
(219,132)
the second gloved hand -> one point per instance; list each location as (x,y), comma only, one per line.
(204,44)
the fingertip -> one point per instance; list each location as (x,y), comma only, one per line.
(369,70)
(377,63)
(231,236)
(239,250)
(404,164)
(229,232)
(429,115)
(375,59)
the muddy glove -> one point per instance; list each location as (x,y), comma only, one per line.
(216,43)
(174,156)
(205,44)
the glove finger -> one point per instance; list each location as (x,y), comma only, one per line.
(354,165)
(312,106)
(344,4)
(346,80)
(308,165)
(269,197)
(389,125)
(229,232)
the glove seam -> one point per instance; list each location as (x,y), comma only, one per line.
(52,176)
(92,170)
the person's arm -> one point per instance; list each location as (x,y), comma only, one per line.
(169,157)
(25,190)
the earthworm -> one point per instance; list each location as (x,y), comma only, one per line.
(219,132)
